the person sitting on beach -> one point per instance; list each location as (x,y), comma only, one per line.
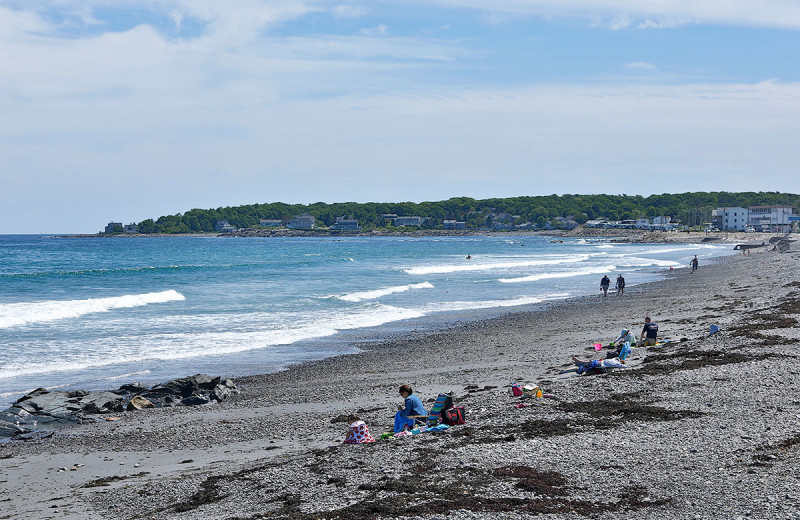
(649,333)
(625,337)
(413,407)
(594,366)
(604,283)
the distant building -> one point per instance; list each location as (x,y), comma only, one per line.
(770,218)
(304,221)
(410,221)
(223,226)
(131,228)
(730,218)
(454,224)
(269,222)
(111,226)
(566,222)
(346,224)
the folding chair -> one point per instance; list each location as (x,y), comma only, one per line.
(442,403)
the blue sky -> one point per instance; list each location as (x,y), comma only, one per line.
(123,110)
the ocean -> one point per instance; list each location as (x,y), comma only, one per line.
(99,312)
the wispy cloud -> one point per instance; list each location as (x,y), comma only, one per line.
(624,13)
(378,30)
(643,65)
(348,11)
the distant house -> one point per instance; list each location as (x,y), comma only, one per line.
(111,226)
(389,216)
(410,221)
(304,221)
(346,224)
(131,228)
(771,218)
(566,222)
(596,223)
(223,226)
(270,222)
(454,224)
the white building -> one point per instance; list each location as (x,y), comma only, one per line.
(454,224)
(304,221)
(770,218)
(269,222)
(409,221)
(730,218)
(346,224)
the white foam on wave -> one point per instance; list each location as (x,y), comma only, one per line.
(16,314)
(377,293)
(186,345)
(562,274)
(490,304)
(486,266)
(635,261)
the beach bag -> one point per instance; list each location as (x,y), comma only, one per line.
(358,434)
(516,389)
(455,415)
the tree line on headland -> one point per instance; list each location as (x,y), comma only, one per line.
(690,209)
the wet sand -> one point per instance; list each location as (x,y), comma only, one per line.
(704,427)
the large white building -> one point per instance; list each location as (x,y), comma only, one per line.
(730,219)
(770,218)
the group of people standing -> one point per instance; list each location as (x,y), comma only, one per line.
(605,282)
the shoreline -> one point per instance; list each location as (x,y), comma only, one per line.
(627,235)
(245,439)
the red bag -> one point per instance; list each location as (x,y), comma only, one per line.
(455,415)
(516,389)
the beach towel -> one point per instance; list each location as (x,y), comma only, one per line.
(625,351)
(358,434)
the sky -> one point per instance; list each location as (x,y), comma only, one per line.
(121,110)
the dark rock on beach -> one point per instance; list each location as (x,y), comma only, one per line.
(42,409)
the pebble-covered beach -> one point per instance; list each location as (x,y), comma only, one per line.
(702,427)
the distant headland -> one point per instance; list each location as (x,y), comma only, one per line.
(695,211)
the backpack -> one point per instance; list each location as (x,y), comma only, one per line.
(516,389)
(455,415)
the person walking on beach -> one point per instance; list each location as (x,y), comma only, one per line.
(604,283)
(649,333)
(413,406)
(620,285)
(693,264)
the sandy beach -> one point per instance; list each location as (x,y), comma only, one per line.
(702,427)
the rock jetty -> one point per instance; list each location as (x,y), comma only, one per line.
(42,411)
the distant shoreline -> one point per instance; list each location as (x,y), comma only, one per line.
(626,235)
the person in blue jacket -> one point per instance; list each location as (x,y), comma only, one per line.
(413,406)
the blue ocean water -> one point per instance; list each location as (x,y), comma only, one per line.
(97,312)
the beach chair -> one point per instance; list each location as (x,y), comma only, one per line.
(434,417)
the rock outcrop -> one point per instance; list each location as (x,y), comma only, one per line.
(43,410)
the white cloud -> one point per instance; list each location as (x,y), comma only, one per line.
(379,30)
(665,13)
(640,65)
(348,11)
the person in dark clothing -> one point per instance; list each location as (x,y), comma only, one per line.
(620,285)
(604,283)
(649,333)
(693,264)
